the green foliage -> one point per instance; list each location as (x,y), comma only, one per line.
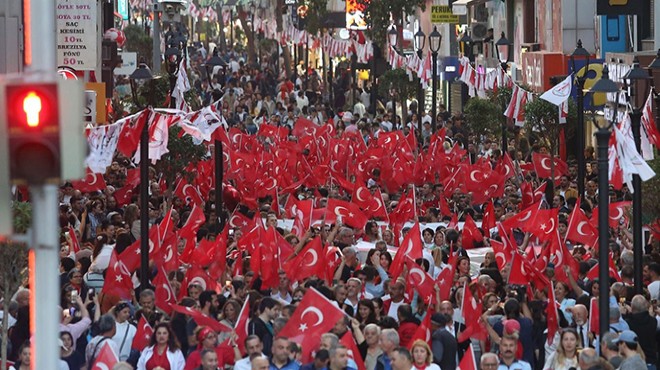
(316,13)
(650,194)
(379,12)
(138,41)
(483,116)
(501,97)
(542,117)
(398,80)
(182,152)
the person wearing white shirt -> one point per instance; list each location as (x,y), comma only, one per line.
(253,347)
(125,331)
(654,276)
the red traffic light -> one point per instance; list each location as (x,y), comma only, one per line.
(32,107)
(32,119)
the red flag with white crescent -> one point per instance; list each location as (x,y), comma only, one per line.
(143,335)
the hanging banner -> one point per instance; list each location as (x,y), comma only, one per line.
(77,39)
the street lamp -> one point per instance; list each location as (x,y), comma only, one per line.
(435,39)
(140,77)
(655,70)
(210,65)
(637,79)
(392,36)
(580,79)
(420,40)
(467,43)
(606,86)
(503,47)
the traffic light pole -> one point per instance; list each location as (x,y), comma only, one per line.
(45,349)
(45,292)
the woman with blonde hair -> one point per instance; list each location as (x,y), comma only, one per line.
(566,355)
(422,356)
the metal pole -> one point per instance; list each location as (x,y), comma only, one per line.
(45,351)
(155,67)
(636,117)
(219,164)
(581,166)
(420,100)
(603,137)
(144,204)
(505,143)
(331,99)
(231,28)
(434,94)
(354,79)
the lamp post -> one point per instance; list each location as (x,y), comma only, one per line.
(655,70)
(141,76)
(503,47)
(213,62)
(392,36)
(467,43)
(435,39)
(580,79)
(607,86)
(420,40)
(637,79)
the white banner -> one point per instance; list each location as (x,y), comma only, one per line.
(77,39)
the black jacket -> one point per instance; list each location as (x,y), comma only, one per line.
(264,331)
(444,348)
(644,325)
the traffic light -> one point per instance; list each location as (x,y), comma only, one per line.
(41,130)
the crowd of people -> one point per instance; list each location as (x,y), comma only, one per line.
(383,308)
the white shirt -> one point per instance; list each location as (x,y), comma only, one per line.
(244,363)
(394,306)
(654,289)
(127,331)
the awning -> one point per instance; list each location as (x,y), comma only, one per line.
(459,7)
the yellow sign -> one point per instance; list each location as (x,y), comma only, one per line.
(443,14)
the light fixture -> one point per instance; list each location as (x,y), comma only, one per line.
(435,39)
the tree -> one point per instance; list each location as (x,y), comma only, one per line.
(397,80)
(140,42)
(483,116)
(379,12)
(13,262)
(316,13)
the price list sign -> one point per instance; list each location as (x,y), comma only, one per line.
(76,34)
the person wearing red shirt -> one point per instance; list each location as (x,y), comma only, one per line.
(163,351)
(208,340)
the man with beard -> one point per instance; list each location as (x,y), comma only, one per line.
(208,304)
(508,360)
(253,348)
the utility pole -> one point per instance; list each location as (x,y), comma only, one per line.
(155,65)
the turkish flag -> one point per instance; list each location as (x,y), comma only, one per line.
(315,315)
(562,258)
(489,220)
(527,194)
(445,279)
(420,280)
(90,183)
(552,314)
(505,166)
(168,255)
(143,335)
(188,193)
(472,236)
(471,310)
(350,213)
(202,319)
(580,230)
(377,208)
(411,246)
(129,137)
(404,211)
(518,275)
(123,195)
(165,297)
(468,362)
(594,316)
(348,341)
(303,127)
(543,165)
(309,262)
(521,219)
(595,271)
(75,244)
(544,223)
(362,197)
(503,254)
(302,220)
(117,280)
(105,359)
(423,331)
(238,219)
(241,327)
(195,220)
(617,212)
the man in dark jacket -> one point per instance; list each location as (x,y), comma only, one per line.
(261,326)
(645,326)
(512,311)
(444,345)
